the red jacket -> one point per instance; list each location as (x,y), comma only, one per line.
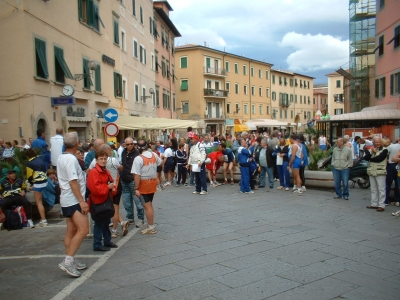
(97,183)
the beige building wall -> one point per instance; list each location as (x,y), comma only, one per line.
(292,98)
(26,94)
(320,96)
(335,94)
(222,89)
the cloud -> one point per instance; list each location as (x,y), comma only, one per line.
(199,36)
(315,52)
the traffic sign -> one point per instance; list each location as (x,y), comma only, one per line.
(110,115)
(111,129)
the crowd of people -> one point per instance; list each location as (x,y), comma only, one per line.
(93,177)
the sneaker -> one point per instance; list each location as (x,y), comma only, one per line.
(159,189)
(139,224)
(167,184)
(185,185)
(79,265)
(149,231)
(217,183)
(396,214)
(287,189)
(196,192)
(203,193)
(251,192)
(30,224)
(42,223)
(70,269)
(297,191)
(213,184)
(395,203)
(124,227)
(111,224)
(225,182)
(131,221)
(303,189)
(232,182)
(114,233)
(177,185)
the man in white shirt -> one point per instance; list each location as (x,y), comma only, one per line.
(56,146)
(120,149)
(72,181)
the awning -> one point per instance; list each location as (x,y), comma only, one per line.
(78,119)
(241,128)
(377,114)
(131,122)
(268,123)
(251,125)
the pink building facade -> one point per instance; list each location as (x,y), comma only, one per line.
(387,53)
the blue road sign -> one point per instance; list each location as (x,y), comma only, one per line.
(57,101)
(110,115)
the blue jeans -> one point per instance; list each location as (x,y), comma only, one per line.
(391,174)
(340,176)
(201,179)
(128,197)
(191,178)
(245,179)
(263,172)
(286,175)
(101,230)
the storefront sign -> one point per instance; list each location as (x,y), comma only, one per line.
(79,112)
(229,122)
(108,60)
(57,101)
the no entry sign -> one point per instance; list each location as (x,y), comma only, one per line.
(111,129)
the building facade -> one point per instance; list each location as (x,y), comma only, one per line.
(320,100)
(291,98)
(103,49)
(336,96)
(387,53)
(220,88)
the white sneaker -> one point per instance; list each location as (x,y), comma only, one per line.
(30,224)
(196,192)
(298,191)
(213,185)
(114,233)
(218,184)
(139,223)
(42,223)
(303,189)
(167,184)
(396,214)
(124,226)
(203,193)
(251,192)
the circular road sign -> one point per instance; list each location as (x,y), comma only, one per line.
(111,129)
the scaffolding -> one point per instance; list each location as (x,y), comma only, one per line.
(362,16)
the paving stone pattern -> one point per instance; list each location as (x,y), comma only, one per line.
(225,245)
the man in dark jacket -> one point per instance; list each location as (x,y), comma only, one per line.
(128,187)
(266,160)
(41,144)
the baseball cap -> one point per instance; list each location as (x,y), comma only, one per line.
(195,137)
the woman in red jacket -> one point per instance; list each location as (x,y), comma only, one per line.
(100,184)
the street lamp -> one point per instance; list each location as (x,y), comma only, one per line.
(92,66)
(151,91)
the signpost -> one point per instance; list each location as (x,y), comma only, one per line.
(110,115)
(111,129)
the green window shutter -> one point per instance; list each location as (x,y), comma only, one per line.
(376,88)
(156,62)
(59,54)
(97,79)
(183,62)
(80,12)
(383,88)
(135,49)
(391,85)
(41,62)
(134,7)
(208,62)
(96,17)
(116,32)
(136,93)
(184,85)
(141,15)
(144,56)
(151,24)
(90,12)
(116,84)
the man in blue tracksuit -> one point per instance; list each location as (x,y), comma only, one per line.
(244,158)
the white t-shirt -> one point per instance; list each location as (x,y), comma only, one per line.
(56,144)
(145,171)
(168,153)
(112,166)
(68,169)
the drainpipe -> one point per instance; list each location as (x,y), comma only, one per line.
(250,84)
(224,100)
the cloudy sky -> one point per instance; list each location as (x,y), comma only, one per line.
(304,36)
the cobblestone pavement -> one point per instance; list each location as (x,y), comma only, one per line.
(225,245)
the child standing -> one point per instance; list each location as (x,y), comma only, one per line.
(181,161)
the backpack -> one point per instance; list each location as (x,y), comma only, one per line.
(13,220)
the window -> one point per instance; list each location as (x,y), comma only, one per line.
(253,90)
(308,84)
(88,13)
(273,95)
(260,89)
(143,94)
(245,89)
(260,109)
(252,71)
(87,81)
(244,70)
(280,113)
(41,60)
(280,80)
(152,62)
(395,83)
(123,40)
(268,110)
(124,90)
(291,81)
(236,69)
(237,108)
(285,80)
(295,82)
(380,86)
(141,15)
(134,7)
(157,96)
(97,79)
(61,67)
(116,32)
(301,99)
(167,73)
(227,66)
(185,107)
(291,98)
(253,109)
(142,54)
(295,98)
(136,93)
(135,48)
(260,73)
(285,114)
(308,100)
(117,85)
(338,111)
(228,108)
(273,79)
(268,93)
(292,114)
(236,88)
(380,47)
(228,86)
(184,85)
(184,62)
(266,74)
(381,4)
(245,109)
(396,37)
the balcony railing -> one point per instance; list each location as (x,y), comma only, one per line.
(214,71)
(215,93)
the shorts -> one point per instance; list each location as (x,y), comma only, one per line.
(117,197)
(169,167)
(145,198)
(38,187)
(69,211)
(296,163)
(159,169)
(322,147)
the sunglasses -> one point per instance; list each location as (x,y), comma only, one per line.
(128,144)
